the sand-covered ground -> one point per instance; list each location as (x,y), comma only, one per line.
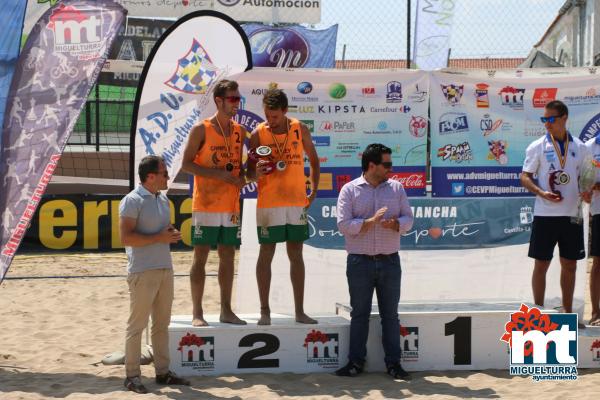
(54,331)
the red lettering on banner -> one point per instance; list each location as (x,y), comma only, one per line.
(16,236)
(409,180)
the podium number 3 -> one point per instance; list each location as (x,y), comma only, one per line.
(461,329)
(271,345)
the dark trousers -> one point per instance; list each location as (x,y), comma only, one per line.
(382,274)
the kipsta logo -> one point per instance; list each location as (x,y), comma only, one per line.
(304,87)
(542,345)
(197,352)
(394,92)
(337,90)
(195,71)
(322,348)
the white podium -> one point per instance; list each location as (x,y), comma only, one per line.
(284,346)
(433,337)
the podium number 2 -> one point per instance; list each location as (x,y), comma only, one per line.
(271,345)
(461,329)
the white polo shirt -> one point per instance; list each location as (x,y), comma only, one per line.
(541,159)
(593,146)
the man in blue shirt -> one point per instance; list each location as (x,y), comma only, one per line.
(146,233)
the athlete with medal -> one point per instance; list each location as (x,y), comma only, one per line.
(213,155)
(556,159)
(282,198)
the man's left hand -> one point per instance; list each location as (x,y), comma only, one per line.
(391,223)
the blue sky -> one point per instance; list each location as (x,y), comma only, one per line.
(376,29)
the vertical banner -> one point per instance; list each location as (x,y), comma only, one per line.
(54,75)
(176,85)
(346,110)
(433,28)
(11,18)
(483,121)
(292,46)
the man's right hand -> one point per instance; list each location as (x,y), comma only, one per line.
(375,219)
(169,235)
(550,196)
(262,168)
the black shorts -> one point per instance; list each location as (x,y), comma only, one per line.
(595,247)
(547,231)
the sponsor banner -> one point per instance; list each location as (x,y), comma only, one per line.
(91,223)
(11,19)
(268,11)
(433,28)
(53,77)
(133,43)
(292,46)
(344,112)
(440,224)
(271,11)
(175,91)
(483,120)
(477,182)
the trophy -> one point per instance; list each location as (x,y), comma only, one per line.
(261,155)
(557,178)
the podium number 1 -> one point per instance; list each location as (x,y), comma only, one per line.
(461,329)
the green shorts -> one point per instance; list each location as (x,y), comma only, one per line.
(281,224)
(214,229)
(282,233)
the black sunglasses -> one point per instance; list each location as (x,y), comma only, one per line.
(386,164)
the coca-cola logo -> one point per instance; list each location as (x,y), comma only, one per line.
(278,47)
(409,180)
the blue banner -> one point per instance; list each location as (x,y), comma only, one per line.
(292,46)
(440,224)
(12,15)
(53,78)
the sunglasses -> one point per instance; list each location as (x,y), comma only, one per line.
(386,164)
(233,99)
(551,119)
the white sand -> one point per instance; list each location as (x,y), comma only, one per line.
(53,331)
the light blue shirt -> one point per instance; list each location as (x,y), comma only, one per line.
(152,215)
